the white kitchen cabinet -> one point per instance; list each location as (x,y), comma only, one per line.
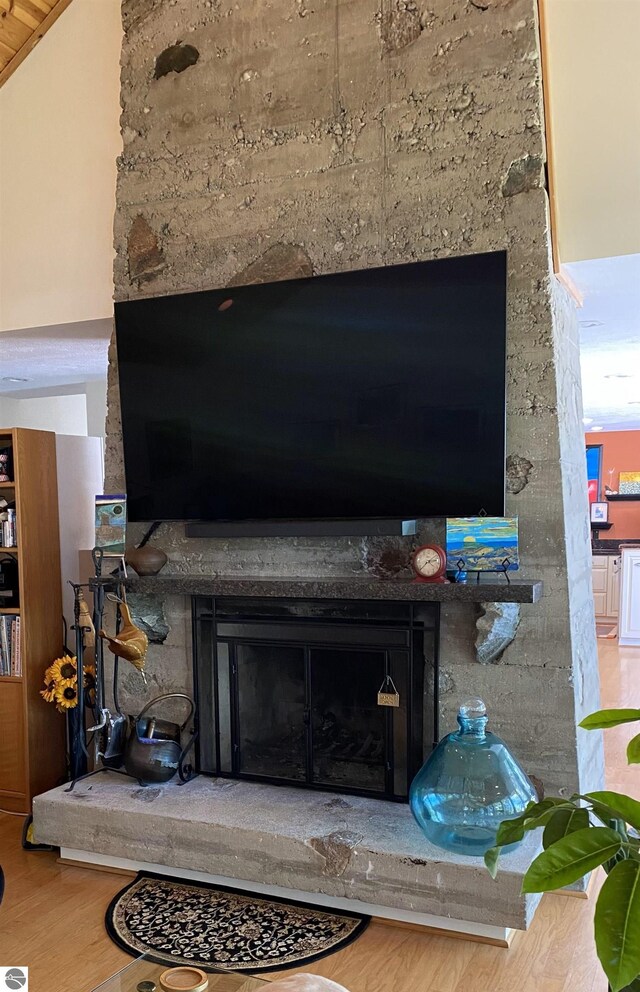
(605,575)
(600,579)
(613,585)
(629,633)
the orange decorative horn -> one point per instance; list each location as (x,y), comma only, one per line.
(130,643)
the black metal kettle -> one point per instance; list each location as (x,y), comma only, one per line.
(153,749)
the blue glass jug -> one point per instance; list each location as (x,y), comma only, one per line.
(468,785)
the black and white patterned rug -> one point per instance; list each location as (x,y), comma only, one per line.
(210,926)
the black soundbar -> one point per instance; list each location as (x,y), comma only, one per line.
(302,528)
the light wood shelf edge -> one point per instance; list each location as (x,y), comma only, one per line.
(554,214)
(548,132)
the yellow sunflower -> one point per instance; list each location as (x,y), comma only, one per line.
(62,669)
(66,695)
(48,693)
(90,682)
(61,683)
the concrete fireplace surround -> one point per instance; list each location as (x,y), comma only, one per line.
(309,138)
(313,138)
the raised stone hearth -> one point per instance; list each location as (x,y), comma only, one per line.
(324,848)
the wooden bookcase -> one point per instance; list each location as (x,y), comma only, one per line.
(32,732)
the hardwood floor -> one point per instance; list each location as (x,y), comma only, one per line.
(52,918)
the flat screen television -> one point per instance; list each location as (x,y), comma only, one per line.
(378,393)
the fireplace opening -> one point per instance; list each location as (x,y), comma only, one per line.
(288,691)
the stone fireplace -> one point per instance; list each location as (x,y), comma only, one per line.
(316,138)
(303,139)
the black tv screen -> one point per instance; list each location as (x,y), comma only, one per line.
(371,394)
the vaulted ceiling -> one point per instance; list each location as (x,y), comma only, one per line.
(22,25)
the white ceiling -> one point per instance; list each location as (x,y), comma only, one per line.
(53,359)
(610,340)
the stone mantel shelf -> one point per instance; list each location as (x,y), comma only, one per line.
(356,587)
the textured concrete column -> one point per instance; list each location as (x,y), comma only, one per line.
(278,140)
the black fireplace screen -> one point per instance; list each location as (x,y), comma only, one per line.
(288,690)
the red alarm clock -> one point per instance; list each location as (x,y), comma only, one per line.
(429,562)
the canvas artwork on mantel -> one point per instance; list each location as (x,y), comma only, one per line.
(111,525)
(484,544)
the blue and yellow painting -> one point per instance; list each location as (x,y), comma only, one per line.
(483,543)
(111,525)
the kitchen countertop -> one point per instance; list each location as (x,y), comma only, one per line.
(612,547)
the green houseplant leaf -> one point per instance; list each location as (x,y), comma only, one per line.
(535,815)
(573,847)
(571,858)
(602,719)
(633,750)
(615,806)
(617,924)
(512,831)
(491,860)
(563,822)
(633,986)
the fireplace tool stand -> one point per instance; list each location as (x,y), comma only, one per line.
(109,731)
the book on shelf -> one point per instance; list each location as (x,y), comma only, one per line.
(12,659)
(10,646)
(9,531)
(16,661)
(5,640)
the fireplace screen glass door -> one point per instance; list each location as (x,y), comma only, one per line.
(270,711)
(323,706)
(347,725)
(294,699)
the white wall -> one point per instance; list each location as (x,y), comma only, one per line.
(77,410)
(59,139)
(8,411)
(80,480)
(60,414)
(593,54)
(96,399)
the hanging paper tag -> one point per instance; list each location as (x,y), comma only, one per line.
(388,695)
(388,699)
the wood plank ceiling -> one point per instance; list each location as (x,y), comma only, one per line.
(22,25)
